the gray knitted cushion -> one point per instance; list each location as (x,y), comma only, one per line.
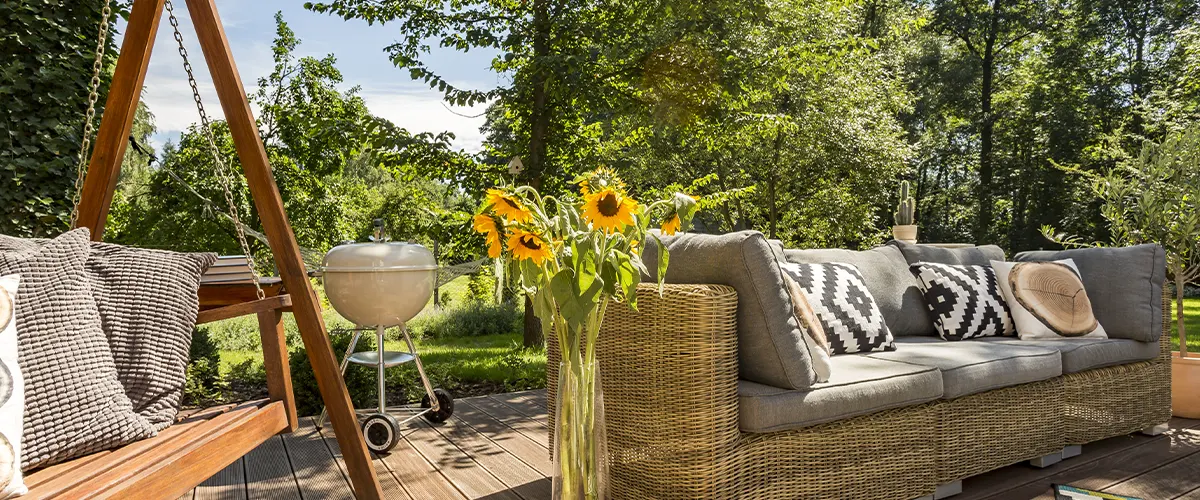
(148,301)
(74,404)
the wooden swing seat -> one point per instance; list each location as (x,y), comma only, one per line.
(200,443)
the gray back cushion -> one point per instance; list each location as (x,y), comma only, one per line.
(888,279)
(74,404)
(970,256)
(772,349)
(1125,286)
(148,301)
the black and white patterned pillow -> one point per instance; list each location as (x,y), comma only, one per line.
(965,301)
(847,311)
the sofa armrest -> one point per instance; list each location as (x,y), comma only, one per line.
(669,374)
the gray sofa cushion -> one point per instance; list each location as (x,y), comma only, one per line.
(970,367)
(74,404)
(1124,284)
(771,347)
(148,301)
(1086,354)
(859,385)
(969,256)
(887,277)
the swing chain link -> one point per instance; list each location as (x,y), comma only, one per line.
(90,116)
(223,176)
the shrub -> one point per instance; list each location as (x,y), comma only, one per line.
(470,320)
(359,381)
(203,385)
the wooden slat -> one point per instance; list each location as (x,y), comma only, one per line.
(317,472)
(170,469)
(418,475)
(532,453)
(120,107)
(214,295)
(391,488)
(515,474)
(465,473)
(244,309)
(526,403)
(275,363)
(269,472)
(253,155)
(1169,481)
(229,484)
(1114,468)
(525,425)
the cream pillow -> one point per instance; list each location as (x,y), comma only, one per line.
(12,393)
(1047,300)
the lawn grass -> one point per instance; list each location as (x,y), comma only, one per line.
(1191,323)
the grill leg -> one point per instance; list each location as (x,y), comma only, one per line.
(433,400)
(345,362)
(379,371)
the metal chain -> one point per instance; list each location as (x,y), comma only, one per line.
(90,116)
(223,176)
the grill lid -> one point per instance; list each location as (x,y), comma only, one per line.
(378,257)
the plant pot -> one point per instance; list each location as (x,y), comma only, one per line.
(1185,386)
(906,233)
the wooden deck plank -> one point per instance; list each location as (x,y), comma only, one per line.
(1191,495)
(502,412)
(521,478)
(1117,467)
(532,453)
(269,473)
(1169,481)
(526,403)
(465,473)
(316,470)
(418,476)
(991,483)
(229,484)
(391,487)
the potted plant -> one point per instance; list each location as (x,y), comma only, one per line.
(905,228)
(573,255)
(1155,198)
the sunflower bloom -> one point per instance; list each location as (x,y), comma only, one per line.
(671,225)
(492,232)
(609,210)
(600,179)
(507,206)
(528,245)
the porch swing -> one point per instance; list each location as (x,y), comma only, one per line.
(185,454)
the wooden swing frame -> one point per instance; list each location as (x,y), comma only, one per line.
(186,454)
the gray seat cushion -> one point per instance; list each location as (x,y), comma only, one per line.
(969,367)
(967,256)
(1086,354)
(887,277)
(859,385)
(1124,284)
(74,404)
(771,347)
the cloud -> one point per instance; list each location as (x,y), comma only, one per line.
(420,109)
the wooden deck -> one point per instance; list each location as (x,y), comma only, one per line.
(495,448)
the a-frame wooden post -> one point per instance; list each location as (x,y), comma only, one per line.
(104,170)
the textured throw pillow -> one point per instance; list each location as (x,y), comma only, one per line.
(964,301)
(148,301)
(74,404)
(819,343)
(848,313)
(1048,300)
(12,392)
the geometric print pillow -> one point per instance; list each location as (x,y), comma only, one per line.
(964,301)
(848,313)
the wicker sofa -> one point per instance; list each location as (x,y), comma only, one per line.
(676,402)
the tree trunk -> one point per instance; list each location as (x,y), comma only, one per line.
(1180,282)
(533,327)
(983,193)
(539,127)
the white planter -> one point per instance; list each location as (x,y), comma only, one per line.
(906,233)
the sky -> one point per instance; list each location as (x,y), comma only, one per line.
(358,47)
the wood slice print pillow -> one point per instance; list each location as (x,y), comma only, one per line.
(810,325)
(12,392)
(1048,300)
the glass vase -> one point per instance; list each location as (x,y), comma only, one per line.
(580,455)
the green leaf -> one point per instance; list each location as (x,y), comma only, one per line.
(664,257)
(627,277)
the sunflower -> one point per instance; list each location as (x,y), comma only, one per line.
(492,230)
(507,206)
(600,179)
(528,245)
(671,224)
(609,210)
